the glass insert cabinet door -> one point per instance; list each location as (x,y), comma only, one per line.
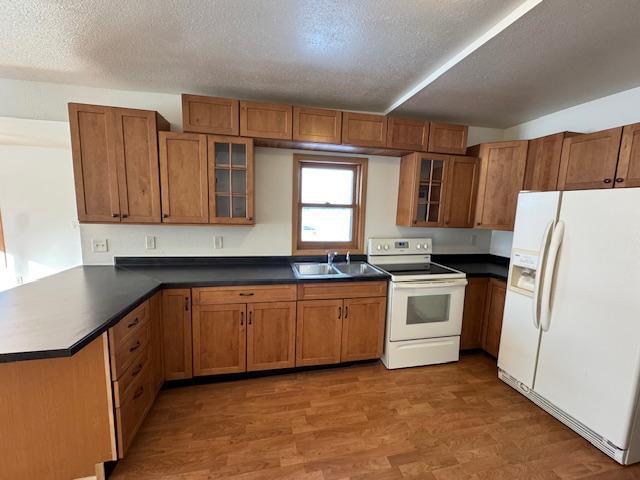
(429,205)
(231,199)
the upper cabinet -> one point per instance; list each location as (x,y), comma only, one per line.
(266,120)
(115,163)
(210,115)
(543,162)
(589,161)
(461,190)
(502,168)
(317,125)
(407,133)
(628,171)
(364,130)
(447,138)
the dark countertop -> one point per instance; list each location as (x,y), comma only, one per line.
(476,265)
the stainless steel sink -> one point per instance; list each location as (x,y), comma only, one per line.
(315,270)
(357,268)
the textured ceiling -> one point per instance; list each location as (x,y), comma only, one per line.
(560,54)
(353,54)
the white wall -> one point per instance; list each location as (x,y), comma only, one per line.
(37,200)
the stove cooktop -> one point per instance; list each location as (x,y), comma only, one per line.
(399,269)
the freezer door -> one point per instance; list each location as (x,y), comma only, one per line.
(535,216)
(589,357)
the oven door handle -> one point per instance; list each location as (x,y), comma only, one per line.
(432,284)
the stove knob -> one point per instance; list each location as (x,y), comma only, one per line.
(379,247)
(386,247)
(418,246)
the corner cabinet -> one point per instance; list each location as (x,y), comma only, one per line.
(115,163)
(206,179)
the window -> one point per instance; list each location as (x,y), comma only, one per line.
(328,204)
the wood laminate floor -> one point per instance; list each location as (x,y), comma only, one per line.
(363,422)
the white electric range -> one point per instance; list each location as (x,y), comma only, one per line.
(424,311)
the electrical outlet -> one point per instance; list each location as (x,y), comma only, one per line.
(150,242)
(217,241)
(99,246)
(474,239)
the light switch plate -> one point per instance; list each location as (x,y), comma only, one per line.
(150,242)
(99,246)
(217,241)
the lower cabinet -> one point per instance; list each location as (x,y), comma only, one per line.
(363,328)
(176,333)
(319,332)
(493,313)
(271,335)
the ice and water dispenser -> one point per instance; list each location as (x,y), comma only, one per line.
(524,266)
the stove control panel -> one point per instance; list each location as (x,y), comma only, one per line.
(399,246)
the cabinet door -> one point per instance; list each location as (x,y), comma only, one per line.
(318,332)
(407,133)
(543,163)
(136,152)
(363,328)
(231,199)
(429,211)
(210,115)
(94,164)
(176,333)
(184,179)
(364,130)
(155,325)
(317,125)
(461,191)
(271,335)
(266,120)
(494,311)
(502,167)
(589,161)
(447,138)
(628,172)
(475,296)
(219,339)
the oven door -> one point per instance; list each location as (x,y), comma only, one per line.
(426,309)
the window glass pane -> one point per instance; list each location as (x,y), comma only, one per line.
(238,154)
(239,181)
(428,309)
(222,181)
(326,224)
(326,185)
(222,154)
(239,207)
(223,207)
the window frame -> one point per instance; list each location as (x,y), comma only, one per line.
(359,166)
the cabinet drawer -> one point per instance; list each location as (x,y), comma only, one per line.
(319,291)
(123,387)
(131,323)
(127,352)
(131,413)
(248,294)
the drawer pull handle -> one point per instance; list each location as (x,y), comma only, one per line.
(137,370)
(250,294)
(339,312)
(134,323)
(241,318)
(139,392)
(250,315)
(186,304)
(346,312)
(135,347)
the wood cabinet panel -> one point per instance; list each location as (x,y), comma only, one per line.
(475,297)
(184,178)
(244,294)
(318,332)
(447,138)
(589,161)
(317,125)
(628,171)
(219,339)
(363,328)
(494,311)
(176,333)
(136,155)
(364,130)
(271,335)
(155,326)
(502,167)
(266,120)
(201,114)
(461,187)
(407,133)
(543,163)
(94,163)
(124,355)
(128,325)
(123,388)
(339,290)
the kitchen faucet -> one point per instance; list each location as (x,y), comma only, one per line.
(348,257)
(330,257)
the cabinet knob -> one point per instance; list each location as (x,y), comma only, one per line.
(124,215)
(619,180)
(165,215)
(115,215)
(607,180)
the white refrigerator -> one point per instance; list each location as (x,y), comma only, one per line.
(571,329)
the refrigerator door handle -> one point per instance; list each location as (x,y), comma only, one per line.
(537,289)
(549,272)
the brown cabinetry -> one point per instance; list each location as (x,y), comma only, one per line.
(318,332)
(589,161)
(543,162)
(176,333)
(364,130)
(317,125)
(628,170)
(461,188)
(218,116)
(502,168)
(363,328)
(407,133)
(271,335)
(447,138)
(157,357)
(115,163)
(493,313)
(266,120)
(475,296)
